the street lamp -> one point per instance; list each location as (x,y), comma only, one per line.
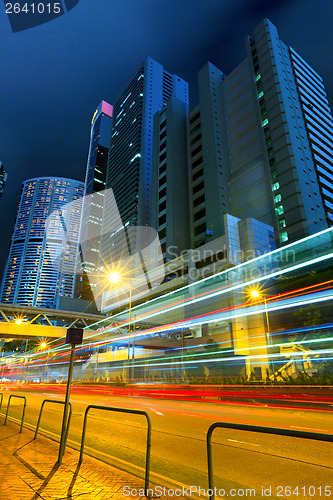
(257,296)
(43,346)
(115,278)
(18,321)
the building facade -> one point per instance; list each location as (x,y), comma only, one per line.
(3,179)
(242,241)
(93,201)
(318,122)
(261,144)
(41,263)
(131,151)
(170,187)
(253,147)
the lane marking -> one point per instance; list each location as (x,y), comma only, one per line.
(155,411)
(308,428)
(242,442)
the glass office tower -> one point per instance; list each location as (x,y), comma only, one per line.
(42,258)
(93,202)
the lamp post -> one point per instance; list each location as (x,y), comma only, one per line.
(255,294)
(18,321)
(44,345)
(183,372)
(115,278)
(258,296)
(133,350)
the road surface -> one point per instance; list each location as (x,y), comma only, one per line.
(178,455)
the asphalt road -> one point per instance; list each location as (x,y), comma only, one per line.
(178,455)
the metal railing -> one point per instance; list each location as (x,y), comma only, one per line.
(254,428)
(40,416)
(122,410)
(23,412)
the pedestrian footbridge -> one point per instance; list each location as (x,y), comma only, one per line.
(21,322)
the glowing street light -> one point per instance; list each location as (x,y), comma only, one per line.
(114,277)
(255,293)
(18,321)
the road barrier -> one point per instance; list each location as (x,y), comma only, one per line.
(40,416)
(254,428)
(23,412)
(121,410)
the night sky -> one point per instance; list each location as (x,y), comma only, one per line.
(54,76)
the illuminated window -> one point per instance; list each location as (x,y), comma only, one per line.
(277,198)
(260,94)
(276,186)
(264,122)
(279,210)
(284,236)
(258,76)
(282,223)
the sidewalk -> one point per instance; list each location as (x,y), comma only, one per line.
(28,471)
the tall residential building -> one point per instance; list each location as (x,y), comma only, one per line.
(92,210)
(131,151)
(261,144)
(42,258)
(208,173)
(3,179)
(170,187)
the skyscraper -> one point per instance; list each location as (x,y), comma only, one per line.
(92,210)
(43,253)
(3,179)
(131,151)
(264,143)
(170,190)
(128,241)
(98,148)
(209,174)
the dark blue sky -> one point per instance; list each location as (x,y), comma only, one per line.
(53,76)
